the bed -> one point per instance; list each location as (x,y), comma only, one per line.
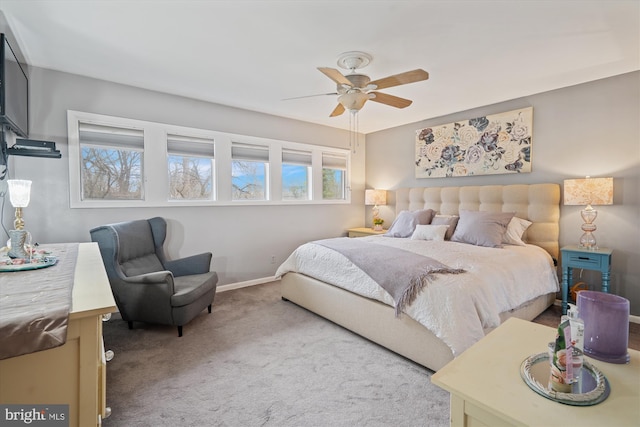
(453,310)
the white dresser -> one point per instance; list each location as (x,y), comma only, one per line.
(74,373)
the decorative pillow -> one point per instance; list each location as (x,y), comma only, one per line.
(450,220)
(482,228)
(430,232)
(406,221)
(515,231)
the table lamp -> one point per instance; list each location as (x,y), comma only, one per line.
(375,198)
(19,194)
(588,191)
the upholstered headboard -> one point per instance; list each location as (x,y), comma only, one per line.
(538,203)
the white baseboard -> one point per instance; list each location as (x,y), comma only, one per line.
(246,284)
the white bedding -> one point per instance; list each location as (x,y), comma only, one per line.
(456,308)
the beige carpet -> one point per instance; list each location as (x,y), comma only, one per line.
(260,361)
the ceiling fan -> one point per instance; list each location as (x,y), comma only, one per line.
(355,89)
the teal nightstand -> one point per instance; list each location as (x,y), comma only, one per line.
(588,259)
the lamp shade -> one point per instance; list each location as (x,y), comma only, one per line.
(19,192)
(375,197)
(353,101)
(588,191)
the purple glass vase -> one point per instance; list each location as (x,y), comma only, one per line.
(606,326)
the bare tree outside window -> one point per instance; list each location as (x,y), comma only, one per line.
(190,178)
(248,180)
(295,182)
(109,173)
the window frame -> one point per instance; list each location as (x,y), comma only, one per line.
(156,174)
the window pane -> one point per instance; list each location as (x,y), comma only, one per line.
(249,180)
(332,184)
(112,159)
(334,167)
(111,173)
(295,182)
(190,164)
(190,178)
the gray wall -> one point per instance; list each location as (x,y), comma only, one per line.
(588,129)
(242,239)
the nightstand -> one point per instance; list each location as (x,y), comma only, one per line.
(589,259)
(364,231)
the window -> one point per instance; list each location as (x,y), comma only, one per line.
(111,163)
(296,174)
(118,162)
(334,168)
(190,164)
(249,171)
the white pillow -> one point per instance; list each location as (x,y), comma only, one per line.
(515,231)
(430,232)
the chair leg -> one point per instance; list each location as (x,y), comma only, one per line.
(130,324)
(209,308)
(179,331)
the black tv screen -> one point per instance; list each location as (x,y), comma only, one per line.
(14,91)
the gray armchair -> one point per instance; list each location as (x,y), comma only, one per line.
(146,285)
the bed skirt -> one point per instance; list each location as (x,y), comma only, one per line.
(377,322)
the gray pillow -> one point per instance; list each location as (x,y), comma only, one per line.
(482,228)
(450,220)
(406,221)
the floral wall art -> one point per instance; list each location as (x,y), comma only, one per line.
(492,144)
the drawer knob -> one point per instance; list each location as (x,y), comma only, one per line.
(107,412)
(106,317)
(108,355)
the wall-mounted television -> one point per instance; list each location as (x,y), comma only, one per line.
(14,90)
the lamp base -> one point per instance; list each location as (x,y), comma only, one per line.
(18,241)
(588,240)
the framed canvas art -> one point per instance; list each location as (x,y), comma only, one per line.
(491,144)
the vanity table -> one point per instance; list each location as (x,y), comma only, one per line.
(74,373)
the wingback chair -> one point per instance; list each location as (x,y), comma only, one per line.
(147,286)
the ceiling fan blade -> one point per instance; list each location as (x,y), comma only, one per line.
(401,79)
(311,96)
(337,111)
(335,75)
(391,100)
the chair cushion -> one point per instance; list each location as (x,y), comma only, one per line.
(190,288)
(137,252)
(145,264)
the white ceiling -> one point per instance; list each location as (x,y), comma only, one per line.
(253,54)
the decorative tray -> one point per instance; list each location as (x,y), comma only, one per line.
(37,263)
(591,389)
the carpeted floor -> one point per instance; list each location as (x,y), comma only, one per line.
(260,361)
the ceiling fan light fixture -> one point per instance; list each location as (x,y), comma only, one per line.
(353,101)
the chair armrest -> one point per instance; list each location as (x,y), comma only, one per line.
(163,280)
(146,294)
(195,264)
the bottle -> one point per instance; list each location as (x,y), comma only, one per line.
(561,376)
(577,338)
